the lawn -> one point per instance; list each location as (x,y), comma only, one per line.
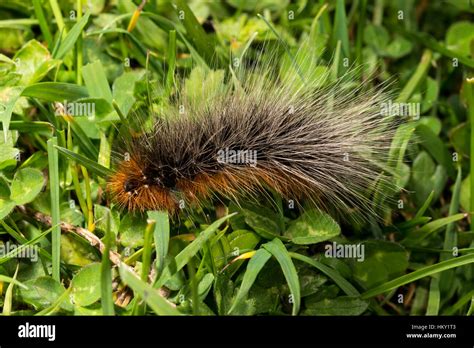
(75,75)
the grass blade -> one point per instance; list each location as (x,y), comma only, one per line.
(418,274)
(470,311)
(425,206)
(32,127)
(433,297)
(19,238)
(285,46)
(432,43)
(84,141)
(171,61)
(360,31)
(345,286)
(161,236)
(340,29)
(278,250)
(70,40)
(55,91)
(192,249)
(22,247)
(147,249)
(416,78)
(7,302)
(57,15)
(416,236)
(96,81)
(89,164)
(56,304)
(55,212)
(90,209)
(203,43)
(106,298)
(459,304)
(42,22)
(255,265)
(470,104)
(450,237)
(150,295)
(6,279)
(79,46)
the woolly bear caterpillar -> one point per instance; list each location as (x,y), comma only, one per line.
(323,141)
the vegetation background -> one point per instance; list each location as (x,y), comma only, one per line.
(95,259)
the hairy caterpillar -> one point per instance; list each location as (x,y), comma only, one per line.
(323,141)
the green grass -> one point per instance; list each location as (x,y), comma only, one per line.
(265,258)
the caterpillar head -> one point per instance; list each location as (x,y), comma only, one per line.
(136,188)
